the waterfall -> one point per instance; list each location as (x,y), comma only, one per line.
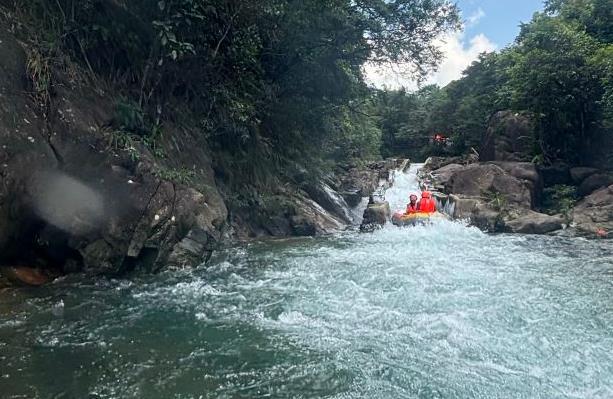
(406,183)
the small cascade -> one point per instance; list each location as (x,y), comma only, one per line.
(404,184)
(408,182)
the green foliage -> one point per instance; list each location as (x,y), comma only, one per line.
(560,70)
(129,116)
(496,200)
(559,199)
(267,78)
(176,175)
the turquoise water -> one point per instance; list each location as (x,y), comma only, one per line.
(430,312)
(440,311)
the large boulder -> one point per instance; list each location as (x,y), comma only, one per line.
(580,173)
(478,212)
(594,182)
(509,137)
(24,275)
(594,214)
(443,175)
(375,216)
(490,181)
(530,222)
(529,174)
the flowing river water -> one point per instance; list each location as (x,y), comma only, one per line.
(441,311)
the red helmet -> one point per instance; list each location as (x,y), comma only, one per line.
(426,194)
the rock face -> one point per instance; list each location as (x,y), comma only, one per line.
(508,137)
(72,200)
(594,214)
(489,180)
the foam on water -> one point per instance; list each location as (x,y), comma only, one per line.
(440,311)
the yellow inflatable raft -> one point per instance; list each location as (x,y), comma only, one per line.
(412,219)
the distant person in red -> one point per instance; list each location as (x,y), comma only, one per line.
(426,204)
(412,206)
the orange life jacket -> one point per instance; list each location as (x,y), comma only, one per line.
(427,204)
(411,208)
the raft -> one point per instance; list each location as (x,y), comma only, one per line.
(402,219)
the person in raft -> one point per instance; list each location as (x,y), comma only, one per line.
(412,206)
(427,203)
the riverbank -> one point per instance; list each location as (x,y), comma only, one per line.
(82,192)
(521,197)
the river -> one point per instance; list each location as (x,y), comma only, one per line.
(441,311)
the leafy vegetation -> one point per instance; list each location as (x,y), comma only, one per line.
(560,69)
(276,82)
(559,199)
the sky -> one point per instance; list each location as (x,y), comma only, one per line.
(489,25)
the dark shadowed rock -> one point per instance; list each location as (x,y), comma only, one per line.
(558,173)
(508,137)
(594,182)
(23,275)
(579,174)
(110,211)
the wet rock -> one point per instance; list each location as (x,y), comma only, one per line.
(376,216)
(352,197)
(531,222)
(594,182)
(23,275)
(478,212)
(192,249)
(594,214)
(329,199)
(508,137)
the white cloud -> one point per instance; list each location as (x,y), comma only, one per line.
(475,17)
(458,54)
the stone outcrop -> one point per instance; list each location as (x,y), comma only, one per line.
(594,214)
(530,222)
(594,182)
(489,180)
(508,137)
(376,216)
(72,199)
(495,196)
